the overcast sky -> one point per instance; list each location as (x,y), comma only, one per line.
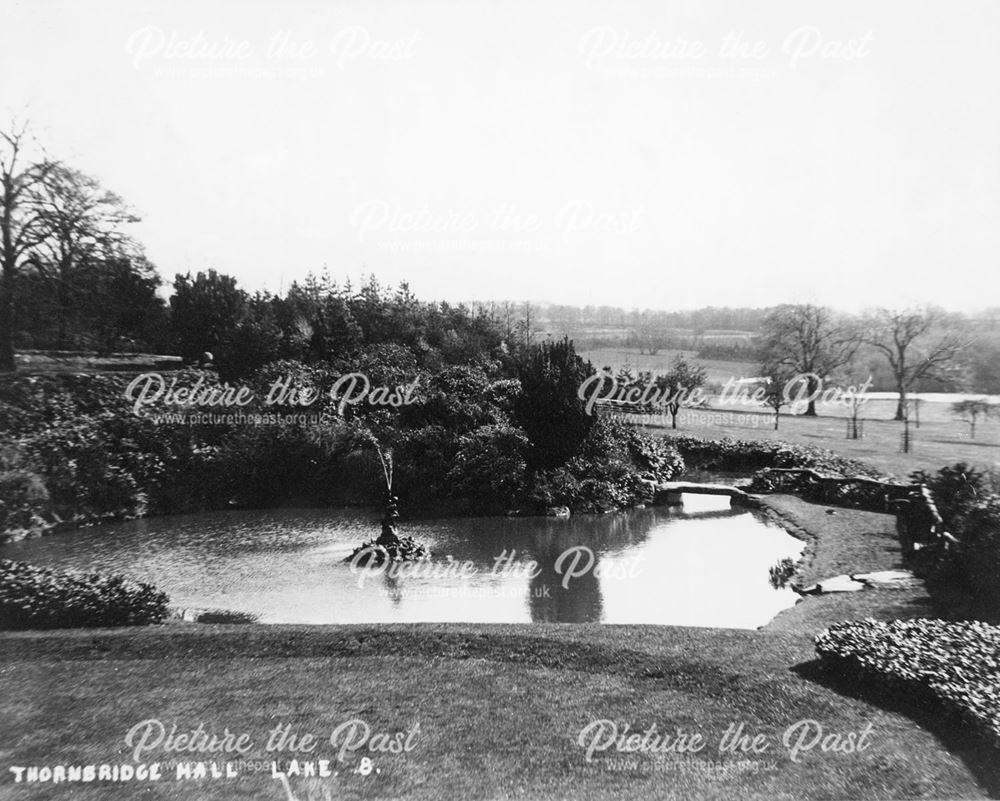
(643,154)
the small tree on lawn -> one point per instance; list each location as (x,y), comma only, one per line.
(776,395)
(971,410)
(684,377)
(854,400)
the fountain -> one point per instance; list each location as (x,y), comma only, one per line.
(389,546)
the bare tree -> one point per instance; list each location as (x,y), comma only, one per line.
(526,327)
(854,400)
(507,312)
(807,339)
(917,344)
(22,227)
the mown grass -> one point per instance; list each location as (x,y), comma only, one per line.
(934,444)
(718,370)
(941,439)
(500,707)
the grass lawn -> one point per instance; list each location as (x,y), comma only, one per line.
(719,370)
(52,361)
(935,444)
(500,707)
(941,438)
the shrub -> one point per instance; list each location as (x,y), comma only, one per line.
(549,409)
(24,501)
(423,458)
(489,468)
(656,457)
(84,471)
(853,492)
(226,616)
(38,598)
(591,487)
(611,471)
(957,489)
(262,466)
(955,663)
(454,395)
(971,513)
(612,439)
(742,456)
(979,557)
(97,458)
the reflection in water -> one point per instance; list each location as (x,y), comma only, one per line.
(393,588)
(565,589)
(701,564)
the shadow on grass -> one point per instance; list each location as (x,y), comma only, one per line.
(225,642)
(922,708)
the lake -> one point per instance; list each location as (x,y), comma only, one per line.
(702,564)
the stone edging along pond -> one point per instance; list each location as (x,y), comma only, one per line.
(918,522)
(920,664)
(919,525)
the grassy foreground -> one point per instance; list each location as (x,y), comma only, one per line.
(500,707)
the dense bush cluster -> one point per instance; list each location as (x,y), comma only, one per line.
(981,558)
(612,470)
(77,436)
(476,438)
(971,512)
(745,456)
(38,598)
(958,490)
(956,663)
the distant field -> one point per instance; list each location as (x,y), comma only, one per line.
(719,371)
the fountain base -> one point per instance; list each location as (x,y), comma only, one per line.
(389,547)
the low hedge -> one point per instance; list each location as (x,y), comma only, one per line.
(957,663)
(39,598)
(742,455)
(851,491)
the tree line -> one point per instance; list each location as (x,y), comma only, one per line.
(67,263)
(71,277)
(917,345)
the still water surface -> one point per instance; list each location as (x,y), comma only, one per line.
(704,565)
